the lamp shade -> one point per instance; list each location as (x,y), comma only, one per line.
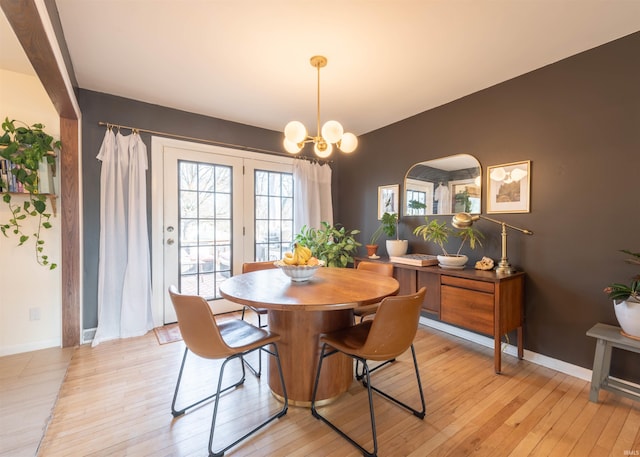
(291,147)
(295,131)
(332,131)
(463,220)
(326,152)
(498,174)
(348,143)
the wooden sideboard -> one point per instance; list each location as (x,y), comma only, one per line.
(476,300)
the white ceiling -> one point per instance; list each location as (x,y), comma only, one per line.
(248,60)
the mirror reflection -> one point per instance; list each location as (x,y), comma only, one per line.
(448,185)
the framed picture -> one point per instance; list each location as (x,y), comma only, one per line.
(388,199)
(508,187)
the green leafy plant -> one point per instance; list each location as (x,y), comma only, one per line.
(439,233)
(332,243)
(27,147)
(622,292)
(388,225)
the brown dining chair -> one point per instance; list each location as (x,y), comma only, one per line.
(389,334)
(385,269)
(362,312)
(232,339)
(248,267)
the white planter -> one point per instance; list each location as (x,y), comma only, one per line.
(628,315)
(397,247)
(452,262)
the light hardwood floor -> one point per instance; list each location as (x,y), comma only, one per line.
(115,401)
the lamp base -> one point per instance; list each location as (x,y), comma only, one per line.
(504,268)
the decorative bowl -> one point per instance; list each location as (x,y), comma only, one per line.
(298,273)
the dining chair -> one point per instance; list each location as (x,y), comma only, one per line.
(229,340)
(248,267)
(389,334)
(385,269)
(362,312)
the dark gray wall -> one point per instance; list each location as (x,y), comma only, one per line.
(97,107)
(578,121)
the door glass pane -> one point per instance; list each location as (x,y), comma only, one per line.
(205,200)
(273,214)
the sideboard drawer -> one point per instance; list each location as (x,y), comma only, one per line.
(467,308)
(471,284)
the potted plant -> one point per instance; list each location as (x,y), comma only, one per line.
(395,247)
(626,300)
(331,243)
(25,150)
(439,233)
(387,226)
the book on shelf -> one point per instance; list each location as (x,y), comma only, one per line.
(420,260)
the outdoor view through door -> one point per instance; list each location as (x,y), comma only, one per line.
(206,223)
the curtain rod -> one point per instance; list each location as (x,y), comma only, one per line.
(216,143)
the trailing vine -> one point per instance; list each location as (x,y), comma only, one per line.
(26,147)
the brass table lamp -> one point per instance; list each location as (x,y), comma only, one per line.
(464,220)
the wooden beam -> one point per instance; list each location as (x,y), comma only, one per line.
(25,20)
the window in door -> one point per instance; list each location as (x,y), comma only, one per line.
(273,219)
(205,202)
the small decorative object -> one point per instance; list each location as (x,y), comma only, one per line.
(486,263)
(26,150)
(508,187)
(420,260)
(388,200)
(334,245)
(438,233)
(626,300)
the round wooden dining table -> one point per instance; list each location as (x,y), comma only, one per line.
(299,312)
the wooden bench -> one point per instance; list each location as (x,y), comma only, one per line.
(608,337)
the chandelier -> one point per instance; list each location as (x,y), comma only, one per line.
(296,136)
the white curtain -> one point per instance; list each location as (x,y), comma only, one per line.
(124,271)
(312,184)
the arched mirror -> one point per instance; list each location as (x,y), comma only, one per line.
(443,186)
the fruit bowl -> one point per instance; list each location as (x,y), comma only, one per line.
(298,273)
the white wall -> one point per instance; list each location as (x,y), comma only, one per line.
(23,283)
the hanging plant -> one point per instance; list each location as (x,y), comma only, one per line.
(25,148)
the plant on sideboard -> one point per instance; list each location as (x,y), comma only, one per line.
(388,226)
(26,148)
(438,233)
(332,243)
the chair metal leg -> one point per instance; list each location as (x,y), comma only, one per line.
(370,389)
(360,374)
(179,412)
(277,415)
(419,414)
(257,373)
(317,415)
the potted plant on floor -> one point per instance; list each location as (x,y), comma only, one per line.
(333,244)
(26,150)
(388,227)
(439,233)
(626,300)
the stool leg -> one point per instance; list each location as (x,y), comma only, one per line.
(601,364)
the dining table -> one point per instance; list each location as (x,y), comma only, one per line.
(300,312)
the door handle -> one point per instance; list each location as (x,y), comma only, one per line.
(170,241)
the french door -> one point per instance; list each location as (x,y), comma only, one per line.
(220,208)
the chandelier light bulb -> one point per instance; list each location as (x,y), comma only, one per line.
(323,149)
(332,131)
(291,147)
(348,143)
(295,132)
